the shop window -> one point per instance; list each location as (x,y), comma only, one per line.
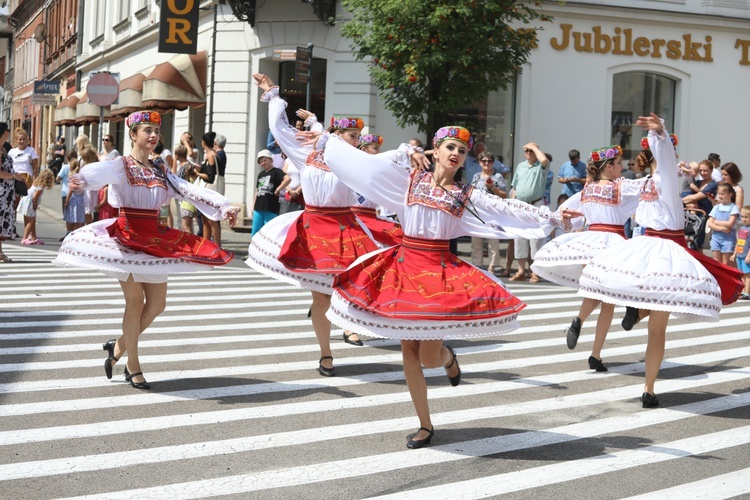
(295,92)
(634,94)
(491,121)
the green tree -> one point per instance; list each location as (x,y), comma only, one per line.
(429,58)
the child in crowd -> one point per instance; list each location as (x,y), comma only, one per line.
(741,254)
(73,205)
(722,221)
(29,204)
(688,173)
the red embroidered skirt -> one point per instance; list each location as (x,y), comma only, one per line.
(385,232)
(729,278)
(140,230)
(324,240)
(422,280)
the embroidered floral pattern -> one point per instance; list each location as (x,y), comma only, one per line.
(315,159)
(649,191)
(607,194)
(150,176)
(421,192)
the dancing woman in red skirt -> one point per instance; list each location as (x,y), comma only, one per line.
(134,248)
(418,291)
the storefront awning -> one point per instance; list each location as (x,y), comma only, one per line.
(65,113)
(177,84)
(131,95)
(87,112)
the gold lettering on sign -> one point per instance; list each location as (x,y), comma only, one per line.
(623,43)
(745,46)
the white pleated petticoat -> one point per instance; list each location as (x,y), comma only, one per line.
(562,259)
(92,247)
(654,274)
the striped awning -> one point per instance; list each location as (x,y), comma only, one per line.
(88,112)
(177,84)
(65,113)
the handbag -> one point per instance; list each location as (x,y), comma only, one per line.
(21,189)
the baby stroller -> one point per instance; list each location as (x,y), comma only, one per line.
(695,227)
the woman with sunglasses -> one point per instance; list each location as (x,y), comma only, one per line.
(109,152)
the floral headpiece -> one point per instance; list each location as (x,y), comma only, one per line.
(644,142)
(139,117)
(342,123)
(607,153)
(456,133)
(367,139)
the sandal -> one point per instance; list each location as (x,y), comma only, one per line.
(518,277)
(504,274)
(534,279)
(5,258)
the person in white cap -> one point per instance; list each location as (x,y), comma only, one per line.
(266,205)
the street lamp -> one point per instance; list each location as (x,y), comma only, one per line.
(244,10)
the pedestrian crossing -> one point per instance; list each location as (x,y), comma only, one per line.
(237,409)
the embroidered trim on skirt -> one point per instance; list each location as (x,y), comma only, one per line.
(654,273)
(420,290)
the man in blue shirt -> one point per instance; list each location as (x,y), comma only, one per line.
(572,174)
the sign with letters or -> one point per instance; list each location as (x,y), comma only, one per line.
(46,87)
(178,26)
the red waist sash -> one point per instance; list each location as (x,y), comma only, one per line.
(608,228)
(729,278)
(140,230)
(324,240)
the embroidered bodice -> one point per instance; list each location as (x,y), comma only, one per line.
(610,203)
(424,211)
(660,204)
(452,201)
(148,187)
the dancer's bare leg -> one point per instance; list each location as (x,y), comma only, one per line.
(602,328)
(321,325)
(657,328)
(587,307)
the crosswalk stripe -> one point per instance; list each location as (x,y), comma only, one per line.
(68,313)
(732,484)
(373,464)
(556,473)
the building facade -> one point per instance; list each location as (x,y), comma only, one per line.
(596,67)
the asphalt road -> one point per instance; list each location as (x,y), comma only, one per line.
(238,410)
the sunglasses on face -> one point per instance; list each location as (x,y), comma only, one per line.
(527,151)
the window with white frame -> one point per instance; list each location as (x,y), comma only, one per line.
(98,12)
(123,10)
(27,60)
(638,93)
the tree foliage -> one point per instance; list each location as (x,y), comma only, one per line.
(430,58)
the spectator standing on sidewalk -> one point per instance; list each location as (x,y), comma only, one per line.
(528,185)
(221,163)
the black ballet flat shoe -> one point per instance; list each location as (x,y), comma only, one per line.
(309,312)
(632,317)
(572,333)
(596,364)
(457,379)
(110,348)
(357,342)
(136,385)
(649,400)
(326,372)
(416,444)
